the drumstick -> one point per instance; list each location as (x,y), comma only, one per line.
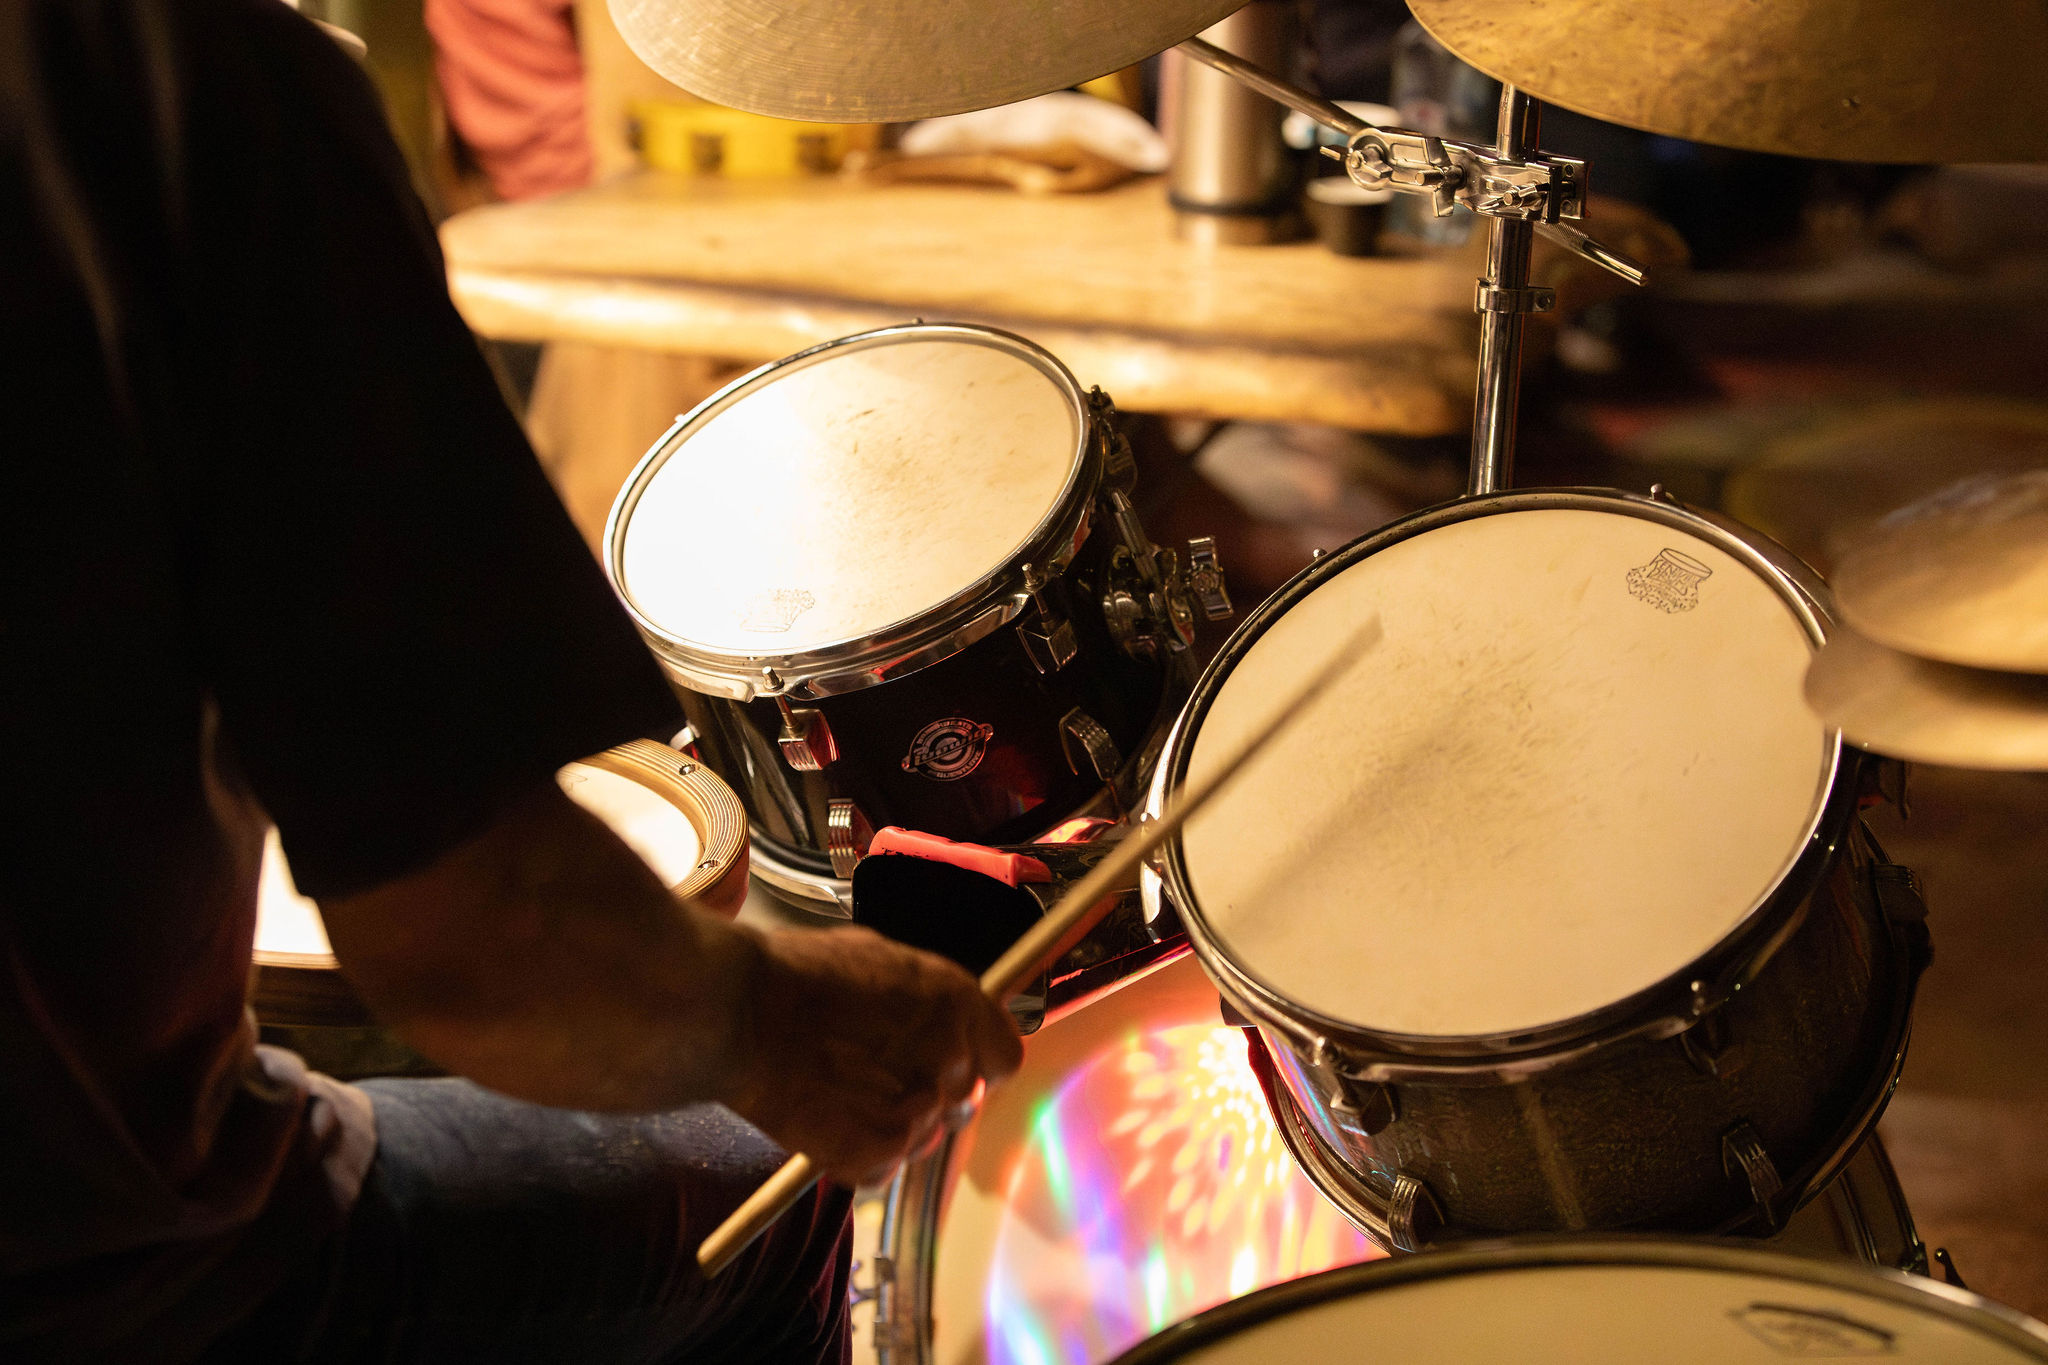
(1078,911)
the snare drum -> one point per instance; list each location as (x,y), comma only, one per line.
(1553,915)
(898,580)
(685,824)
(1604,1303)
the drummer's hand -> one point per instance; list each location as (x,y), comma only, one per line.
(859,1045)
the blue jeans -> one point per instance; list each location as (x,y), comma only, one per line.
(491,1230)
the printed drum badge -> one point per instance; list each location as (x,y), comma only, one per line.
(947,750)
(771,613)
(1670,582)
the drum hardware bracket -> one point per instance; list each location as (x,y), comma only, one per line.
(1947,1264)
(806,739)
(1489,297)
(1083,739)
(1048,636)
(1206,581)
(847,835)
(1413,1217)
(1743,1157)
(1119,465)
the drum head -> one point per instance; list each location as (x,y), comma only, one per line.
(847,490)
(1127,1176)
(1576,761)
(1604,1303)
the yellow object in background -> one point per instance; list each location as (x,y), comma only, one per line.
(709,139)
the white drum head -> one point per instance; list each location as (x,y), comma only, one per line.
(1724,1311)
(649,823)
(835,496)
(1577,759)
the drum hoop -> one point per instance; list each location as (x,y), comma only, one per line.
(1995,1320)
(901,647)
(705,801)
(1664,1008)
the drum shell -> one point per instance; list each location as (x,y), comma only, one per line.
(1024,782)
(1630,1132)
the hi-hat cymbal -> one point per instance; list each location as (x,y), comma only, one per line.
(1929,712)
(1848,80)
(1961,577)
(885,61)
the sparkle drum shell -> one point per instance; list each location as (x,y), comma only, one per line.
(1614,1302)
(1554,915)
(894,549)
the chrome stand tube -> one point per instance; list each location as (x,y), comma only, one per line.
(1502,300)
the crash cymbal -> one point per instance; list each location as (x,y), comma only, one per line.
(885,61)
(1821,484)
(1929,712)
(1961,577)
(1849,80)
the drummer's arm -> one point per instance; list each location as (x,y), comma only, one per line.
(543,959)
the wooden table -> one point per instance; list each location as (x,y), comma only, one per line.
(751,271)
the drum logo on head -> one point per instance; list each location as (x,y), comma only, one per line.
(947,750)
(776,610)
(1812,1332)
(1670,582)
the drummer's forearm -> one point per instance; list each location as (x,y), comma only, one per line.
(544,960)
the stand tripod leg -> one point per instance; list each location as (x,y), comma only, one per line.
(1503,297)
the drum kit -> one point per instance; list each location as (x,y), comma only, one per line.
(1548,930)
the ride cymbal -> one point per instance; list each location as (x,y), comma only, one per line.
(1961,577)
(1847,80)
(886,61)
(1929,712)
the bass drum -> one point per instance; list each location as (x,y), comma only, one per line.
(684,823)
(898,579)
(1127,1176)
(1553,915)
(1618,1302)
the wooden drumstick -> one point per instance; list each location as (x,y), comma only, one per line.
(1078,911)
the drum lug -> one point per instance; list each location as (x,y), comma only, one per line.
(1897,892)
(1047,636)
(1367,1107)
(1743,1158)
(847,835)
(1082,738)
(806,739)
(1413,1216)
(1708,1046)
(1205,579)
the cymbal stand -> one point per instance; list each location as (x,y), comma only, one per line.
(1522,190)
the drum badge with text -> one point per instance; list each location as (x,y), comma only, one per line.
(1670,582)
(1812,1333)
(775,611)
(947,750)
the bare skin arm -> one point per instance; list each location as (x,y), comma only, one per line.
(544,960)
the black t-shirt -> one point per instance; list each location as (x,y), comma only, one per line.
(270,546)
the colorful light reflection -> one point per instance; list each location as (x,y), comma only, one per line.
(1152,1186)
